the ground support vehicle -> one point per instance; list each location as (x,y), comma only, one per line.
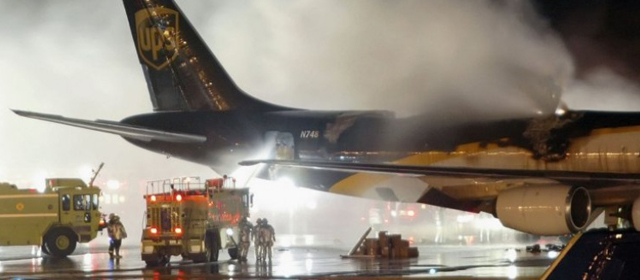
(192,219)
(65,213)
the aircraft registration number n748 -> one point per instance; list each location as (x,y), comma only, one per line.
(309,134)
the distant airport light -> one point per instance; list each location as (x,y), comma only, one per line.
(229,231)
(411,213)
(113,184)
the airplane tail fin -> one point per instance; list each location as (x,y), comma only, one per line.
(182,74)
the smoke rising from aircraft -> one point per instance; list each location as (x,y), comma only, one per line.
(494,59)
(602,89)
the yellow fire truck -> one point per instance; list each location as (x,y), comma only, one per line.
(192,219)
(64,214)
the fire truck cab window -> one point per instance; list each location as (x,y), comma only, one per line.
(66,202)
(87,201)
(95,202)
(79,202)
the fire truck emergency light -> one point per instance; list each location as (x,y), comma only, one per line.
(153,198)
(179,197)
(178,230)
(154,230)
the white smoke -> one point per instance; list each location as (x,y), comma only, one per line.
(603,90)
(495,59)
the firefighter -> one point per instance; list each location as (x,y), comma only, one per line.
(116,232)
(246,230)
(256,238)
(267,238)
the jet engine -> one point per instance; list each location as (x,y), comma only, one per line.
(544,209)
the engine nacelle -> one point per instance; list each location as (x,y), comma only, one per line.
(544,209)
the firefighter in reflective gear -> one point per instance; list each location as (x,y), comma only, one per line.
(246,229)
(256,239)
(267,236)
(116,232)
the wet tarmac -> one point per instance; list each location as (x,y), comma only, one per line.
(446,261)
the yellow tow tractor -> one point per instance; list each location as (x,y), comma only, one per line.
(65,213)
(195,220)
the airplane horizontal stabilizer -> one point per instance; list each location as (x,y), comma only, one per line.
(124,130)
(572,177)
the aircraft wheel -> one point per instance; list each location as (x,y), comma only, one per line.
(60,242)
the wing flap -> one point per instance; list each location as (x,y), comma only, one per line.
(124,130)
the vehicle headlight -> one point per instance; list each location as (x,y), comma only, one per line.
(229,231)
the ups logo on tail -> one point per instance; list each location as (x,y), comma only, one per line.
(156,36)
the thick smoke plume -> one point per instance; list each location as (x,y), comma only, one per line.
(497,59)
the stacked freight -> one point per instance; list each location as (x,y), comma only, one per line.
(388,246)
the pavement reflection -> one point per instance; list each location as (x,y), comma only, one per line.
(435,261)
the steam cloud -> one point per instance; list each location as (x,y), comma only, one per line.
(496,59)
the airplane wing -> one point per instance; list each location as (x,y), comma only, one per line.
(454,186)
(573,177)
(124,130)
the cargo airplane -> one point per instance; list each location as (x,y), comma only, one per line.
(546,175)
